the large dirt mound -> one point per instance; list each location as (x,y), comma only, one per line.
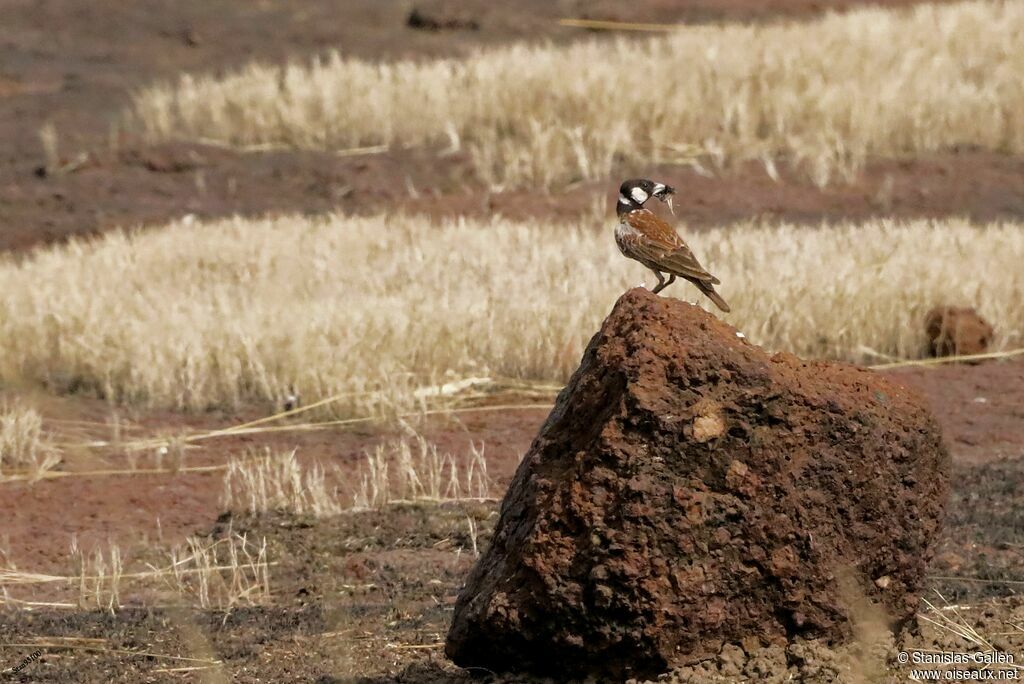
(688,491)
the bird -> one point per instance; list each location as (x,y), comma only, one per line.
(642,236)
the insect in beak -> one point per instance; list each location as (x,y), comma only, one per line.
(664,193)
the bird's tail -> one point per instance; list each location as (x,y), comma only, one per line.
(709,290)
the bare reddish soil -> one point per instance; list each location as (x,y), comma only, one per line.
(980,434)
(136,507)
(368,597)
(981,407)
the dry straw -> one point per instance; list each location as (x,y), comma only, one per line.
(824,94)
(276,481)
(373,308)
(402,471)
(24,448)
(412,470)
(219,574)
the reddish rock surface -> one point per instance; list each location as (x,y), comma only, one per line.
(688,491)
(955,331)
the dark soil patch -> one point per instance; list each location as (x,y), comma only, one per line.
(353,594)
(981,554)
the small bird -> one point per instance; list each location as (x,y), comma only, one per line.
(643,236)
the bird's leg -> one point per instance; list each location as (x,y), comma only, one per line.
(661,282)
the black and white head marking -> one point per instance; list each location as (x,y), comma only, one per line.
(635,192)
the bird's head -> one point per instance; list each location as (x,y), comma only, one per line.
(634,192)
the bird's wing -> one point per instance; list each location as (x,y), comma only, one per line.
(655,241)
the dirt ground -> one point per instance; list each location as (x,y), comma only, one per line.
(367,596)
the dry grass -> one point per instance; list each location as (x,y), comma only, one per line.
(99,577)
(215,314)
(23,445)
(219,574)
(409,469)
(277,482)
(824,94)
(412,469)
(51,151)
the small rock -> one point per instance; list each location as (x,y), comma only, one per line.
(424,21)
(731,660)
(954,331)
(190,37)
(708,423)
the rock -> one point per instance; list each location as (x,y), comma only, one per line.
(423,20)
(955,331)
(690,491)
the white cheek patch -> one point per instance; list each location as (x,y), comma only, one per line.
(639,196)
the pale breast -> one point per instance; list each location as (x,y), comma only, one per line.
(624,233)
(627,237)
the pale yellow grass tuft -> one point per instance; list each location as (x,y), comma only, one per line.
(236,310)
(824,94)
(23,445)
(405,470)
(413,470)
(51,153)
(220,574)
(278,482)
(99,577)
